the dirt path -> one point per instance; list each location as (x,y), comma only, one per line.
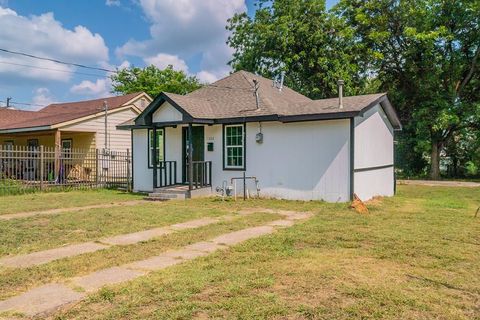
(65,210)
(51,297)
(433,183)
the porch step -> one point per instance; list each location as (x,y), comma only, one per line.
(165,196)
(170,191)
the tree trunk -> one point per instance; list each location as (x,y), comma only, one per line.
(435,161)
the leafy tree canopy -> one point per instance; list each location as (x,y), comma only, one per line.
(314,47)
(425,54)
(153,81)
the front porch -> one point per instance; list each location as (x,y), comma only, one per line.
(191,176)
(61,153)
(50,139)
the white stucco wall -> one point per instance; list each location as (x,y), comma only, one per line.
(373,148)
(166,113)
(304,161)
(142,175)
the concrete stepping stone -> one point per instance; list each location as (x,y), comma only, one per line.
(41,257)
(282,223)
(186,254)
(233,238)
(298,216)
(154,263)
(131,238)
(171,258)
(67,210)
(96,280)
(194,223)
(206,246)
(43,299)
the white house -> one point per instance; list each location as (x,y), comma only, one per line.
(295,147)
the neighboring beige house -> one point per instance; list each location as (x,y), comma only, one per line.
(73,125)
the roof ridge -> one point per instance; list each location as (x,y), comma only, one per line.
(91,100)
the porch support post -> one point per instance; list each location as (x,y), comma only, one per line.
(154,156)
(190,158)
(58,146)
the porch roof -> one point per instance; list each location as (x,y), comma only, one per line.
(245,97)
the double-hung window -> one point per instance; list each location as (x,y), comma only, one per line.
(160,144)
(234,146)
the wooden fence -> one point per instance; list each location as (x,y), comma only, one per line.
(26,169)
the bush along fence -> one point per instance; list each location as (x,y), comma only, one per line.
(27,169)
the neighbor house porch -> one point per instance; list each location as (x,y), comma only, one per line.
(63,151)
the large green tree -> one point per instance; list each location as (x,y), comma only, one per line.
(425,53)
(314,47)
(153,81)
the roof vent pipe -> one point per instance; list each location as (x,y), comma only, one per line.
(340,93)
(257,85)
(282,78)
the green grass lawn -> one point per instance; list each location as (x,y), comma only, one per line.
(414,256)
(54,200)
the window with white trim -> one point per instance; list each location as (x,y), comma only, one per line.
(160,144)
(234,146)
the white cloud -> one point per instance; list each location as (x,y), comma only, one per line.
(163,60)
(44,36)
(187,28)
(112,3)
(42,97)
(206,77)
(98,89)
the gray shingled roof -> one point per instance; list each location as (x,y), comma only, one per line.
(233,97)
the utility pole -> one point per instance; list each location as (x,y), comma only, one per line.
(105,108)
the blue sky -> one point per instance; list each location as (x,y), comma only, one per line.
(188,34)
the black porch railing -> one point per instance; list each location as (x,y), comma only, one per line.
(202,174)
(167,174)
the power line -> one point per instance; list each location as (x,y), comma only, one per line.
(24,103)
(50,69)
(56,61)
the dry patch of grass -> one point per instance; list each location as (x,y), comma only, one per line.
(56,200)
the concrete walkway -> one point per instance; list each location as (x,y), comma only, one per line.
(45,256)
(442,183)
(68,210)
(51,297)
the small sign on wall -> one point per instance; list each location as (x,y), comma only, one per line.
(209,146)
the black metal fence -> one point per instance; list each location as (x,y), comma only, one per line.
(27,169)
